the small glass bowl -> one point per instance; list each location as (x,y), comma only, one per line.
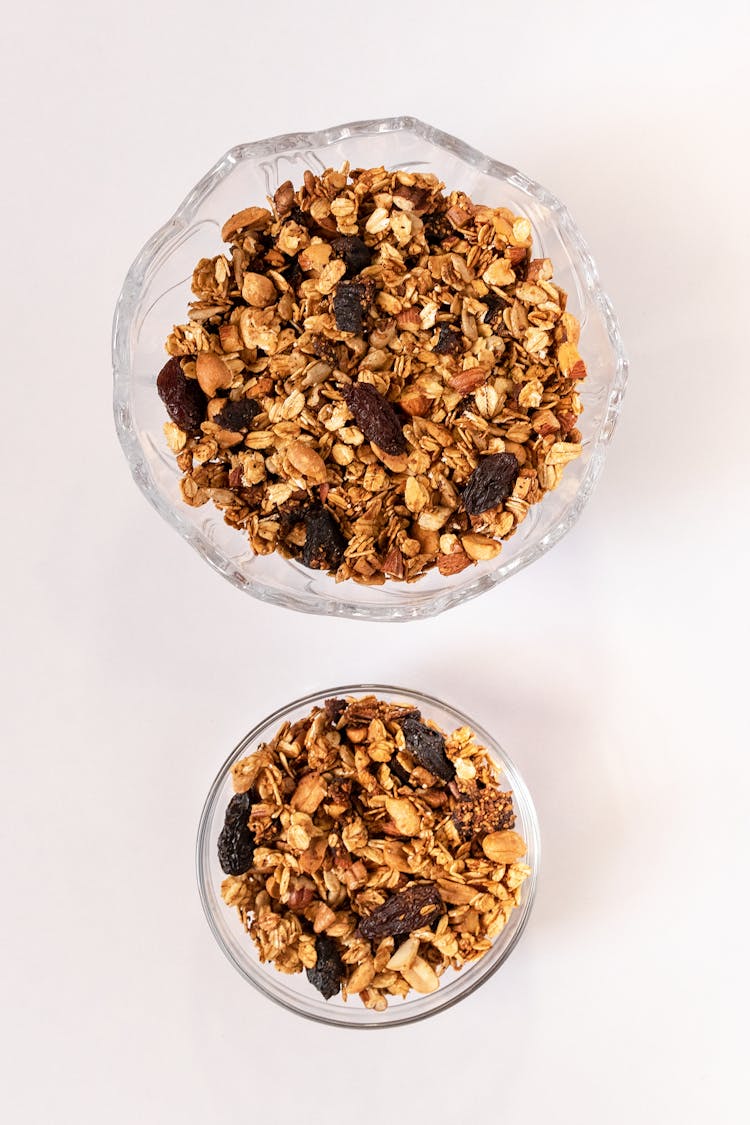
(155,296)
(295,991)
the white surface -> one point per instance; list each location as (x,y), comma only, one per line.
(614,670)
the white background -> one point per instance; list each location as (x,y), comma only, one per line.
(614,670)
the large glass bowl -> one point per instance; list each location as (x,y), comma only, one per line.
(295,992)
(156,293)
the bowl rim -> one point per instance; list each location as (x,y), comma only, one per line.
(127,304)
(522,800)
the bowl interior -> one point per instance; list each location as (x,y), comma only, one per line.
(295,992)
(155,297)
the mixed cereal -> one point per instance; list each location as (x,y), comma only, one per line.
(376,379)
(370,849)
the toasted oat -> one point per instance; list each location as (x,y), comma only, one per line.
(347,858)
(389,337)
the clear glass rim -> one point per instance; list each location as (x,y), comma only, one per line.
(126,310)
(522,800)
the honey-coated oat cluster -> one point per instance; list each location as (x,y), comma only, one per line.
(370,849)
(376,379)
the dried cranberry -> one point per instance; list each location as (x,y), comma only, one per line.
(183,397)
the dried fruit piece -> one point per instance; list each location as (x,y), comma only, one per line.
(450,341)
(491,482)
(328,971)
(238,416)
(478,811)
(350,303)
(376,417)
(355,253)
(334,710)
(427,746)
(324,542)
(409,910)
(183,398)
(236,843)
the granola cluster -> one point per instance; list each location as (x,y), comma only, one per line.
(371,850)
(376,379)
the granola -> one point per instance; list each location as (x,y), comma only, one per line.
(378,367)
(348,858)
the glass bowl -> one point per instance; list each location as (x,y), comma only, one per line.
(294,991)
(155,296)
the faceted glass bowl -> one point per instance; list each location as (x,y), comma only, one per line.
(156,293)
(295,991)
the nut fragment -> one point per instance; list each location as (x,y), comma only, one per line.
(504,847)
(212,373)
(307,461)
(258,290)
(421,976)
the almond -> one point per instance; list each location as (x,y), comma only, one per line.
(252,218)
(467,381)
(453,563)
(405,955)
(421,976)
(408,320)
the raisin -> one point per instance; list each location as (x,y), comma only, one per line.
(427,745)
(350,303)
(324,542)
(183,398)
(334,710)
(450,341)
(328,971)
(375,417)
(236,843)
(238,416)
(402,913)
(354,253)
(478,811)
(491,482)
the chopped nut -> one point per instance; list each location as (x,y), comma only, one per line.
(503,847)
(258,290)
(212,373)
